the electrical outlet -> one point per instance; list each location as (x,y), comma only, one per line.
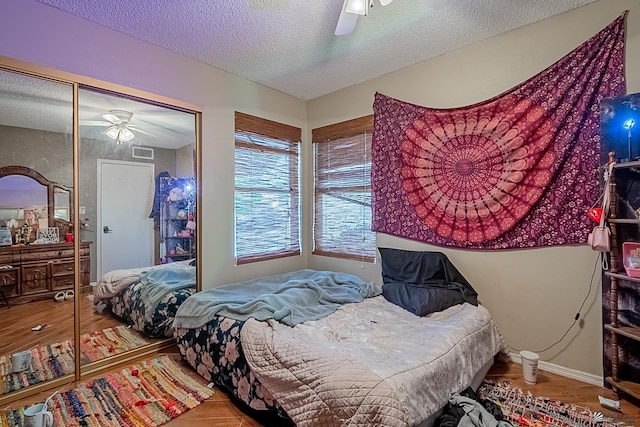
(83,210)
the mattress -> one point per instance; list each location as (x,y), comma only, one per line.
(214,350)
(147,298)
(130,308)
(418,361)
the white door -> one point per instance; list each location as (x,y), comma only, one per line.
(124,230)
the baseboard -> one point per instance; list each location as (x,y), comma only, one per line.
(574,374)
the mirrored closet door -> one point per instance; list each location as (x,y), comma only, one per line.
(37,281)
(98,226)
(137,202)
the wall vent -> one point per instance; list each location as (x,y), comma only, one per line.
(142,153)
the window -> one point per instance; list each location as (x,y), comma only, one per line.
(266,189)
(342,224)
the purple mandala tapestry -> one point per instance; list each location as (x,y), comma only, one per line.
(517,171)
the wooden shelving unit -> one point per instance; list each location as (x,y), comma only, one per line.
(620,333)
(175,215)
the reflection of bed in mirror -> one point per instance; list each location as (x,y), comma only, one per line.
(147,298)
(116,187)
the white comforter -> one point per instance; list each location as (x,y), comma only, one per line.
(113,282)
(370,363)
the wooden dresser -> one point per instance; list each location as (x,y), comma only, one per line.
(40,271)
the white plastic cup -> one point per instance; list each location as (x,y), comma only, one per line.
(20,361)
(38,416)
(529,366)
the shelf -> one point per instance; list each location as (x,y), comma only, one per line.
(629,387)
(626,165)
(624,221)
(627,331)
(622,276)
(174,256)
(190,237)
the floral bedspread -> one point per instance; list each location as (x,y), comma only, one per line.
(129,306)
(214,350)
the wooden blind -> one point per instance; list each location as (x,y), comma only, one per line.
(342,191)
(266,189)
(267,128)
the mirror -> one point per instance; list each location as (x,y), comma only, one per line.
(28,197)
(133,207)
(36,177)
(137,200)
(62,204)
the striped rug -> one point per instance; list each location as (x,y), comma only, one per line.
(149,393)
(55,360)
(107,342)
(526,409)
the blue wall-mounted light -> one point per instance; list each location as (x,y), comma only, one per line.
(628,124)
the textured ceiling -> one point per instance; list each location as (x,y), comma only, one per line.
(289,45)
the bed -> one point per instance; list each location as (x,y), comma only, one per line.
(366,362)
(147,298)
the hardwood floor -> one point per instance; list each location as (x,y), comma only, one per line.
(15,329)
(219,411)
(567,390)
(55,318)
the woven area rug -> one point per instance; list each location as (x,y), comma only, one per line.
(55,360)
(148,393)
(47,362)
(107,342)
(523,408)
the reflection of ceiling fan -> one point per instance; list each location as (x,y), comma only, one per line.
(118,125)
(352,8)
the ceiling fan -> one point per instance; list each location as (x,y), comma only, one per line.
(352,8)
(118,126)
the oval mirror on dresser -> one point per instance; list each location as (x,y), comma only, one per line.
(36,263)
(98,227)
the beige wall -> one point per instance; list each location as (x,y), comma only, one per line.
(533,294)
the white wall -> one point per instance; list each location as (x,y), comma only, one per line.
(37,33)
(533,294)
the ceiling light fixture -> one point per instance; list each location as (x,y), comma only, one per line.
(119,133)
(359,7)
(351,9)
(119,130)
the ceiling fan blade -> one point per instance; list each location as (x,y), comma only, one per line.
(436,4)
(110,117)
(95,123)
(385,2)
(346,21)
(135,129)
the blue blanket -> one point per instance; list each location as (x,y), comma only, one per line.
(160,281)
(290,298)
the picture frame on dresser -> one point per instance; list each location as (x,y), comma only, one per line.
(5,237)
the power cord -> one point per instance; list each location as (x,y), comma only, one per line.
(576,317)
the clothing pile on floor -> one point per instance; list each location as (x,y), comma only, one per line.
(466,409)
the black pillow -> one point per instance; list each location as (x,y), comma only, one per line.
(423,282)
(421,300)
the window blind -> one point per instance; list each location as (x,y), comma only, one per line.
(266,158)
(342,193)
